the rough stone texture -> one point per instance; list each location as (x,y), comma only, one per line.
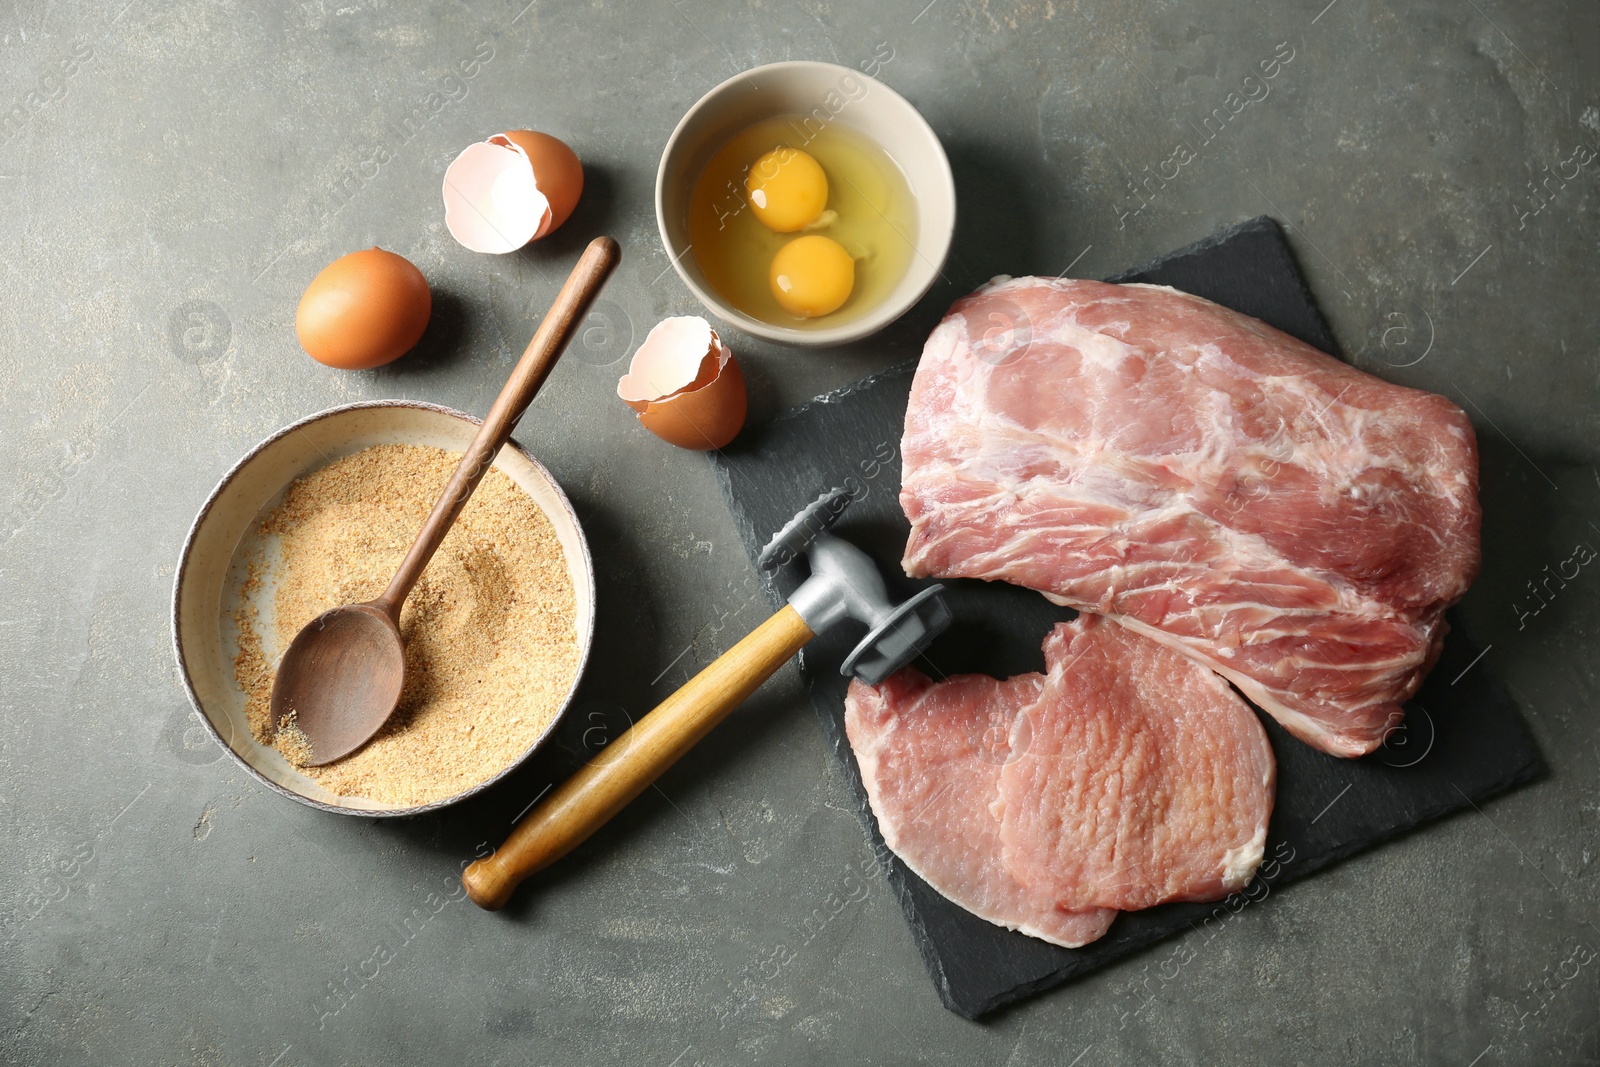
(167,202)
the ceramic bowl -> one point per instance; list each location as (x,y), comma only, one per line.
(832,94)
(212,570)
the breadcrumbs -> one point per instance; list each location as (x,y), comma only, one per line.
(490,631)
(292,741)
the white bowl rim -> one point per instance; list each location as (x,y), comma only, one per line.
(585,639)
(855,330)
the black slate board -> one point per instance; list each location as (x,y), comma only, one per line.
(1463,739)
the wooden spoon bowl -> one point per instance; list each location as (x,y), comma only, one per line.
(349,669)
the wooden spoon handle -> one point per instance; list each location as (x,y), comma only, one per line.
(587,801)
(570,306)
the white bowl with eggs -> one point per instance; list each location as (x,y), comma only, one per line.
(213,571)
(813,96)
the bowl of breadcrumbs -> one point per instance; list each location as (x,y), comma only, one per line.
(497,630)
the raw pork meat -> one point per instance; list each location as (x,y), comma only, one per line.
(1293,523)
(1146,779)
(931,756)
(1124,777)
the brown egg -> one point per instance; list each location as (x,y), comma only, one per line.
(364,310)
(516,187)
(686,385)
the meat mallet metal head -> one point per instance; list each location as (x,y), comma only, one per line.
(845,584)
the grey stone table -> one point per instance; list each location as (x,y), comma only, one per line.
(173,173)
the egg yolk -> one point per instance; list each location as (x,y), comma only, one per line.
(787,188)
(812,276)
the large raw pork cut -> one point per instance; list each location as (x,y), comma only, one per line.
(1293,523)
(1125,776)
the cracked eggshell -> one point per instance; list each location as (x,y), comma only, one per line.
(516,187)
(686,386)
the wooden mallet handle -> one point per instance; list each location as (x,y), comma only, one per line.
(587,801)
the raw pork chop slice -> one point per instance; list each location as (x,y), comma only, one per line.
(1146,778)
(930,755)
(1126,776)
(1291,522)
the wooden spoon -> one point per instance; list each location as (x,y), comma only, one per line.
(342,676)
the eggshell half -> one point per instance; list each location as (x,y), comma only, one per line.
(556,168)
(513,188)
(704,418)
(686,386)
